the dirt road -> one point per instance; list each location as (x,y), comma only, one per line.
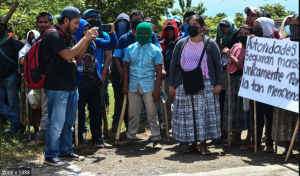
(141,159)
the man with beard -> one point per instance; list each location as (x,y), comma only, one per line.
(136,17)
(60,53)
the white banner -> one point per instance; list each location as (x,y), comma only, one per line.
(271,73)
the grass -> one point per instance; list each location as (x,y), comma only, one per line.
(15,149)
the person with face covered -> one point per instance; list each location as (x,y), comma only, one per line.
(169,35)
(89,89)
(145,63)
(263,27)
(61,51)
(287,119)
(136,17)
(196,116)
(34,114)
(285,32)
(9,78)
(240,119)
(104,56)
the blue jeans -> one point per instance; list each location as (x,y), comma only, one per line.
(62,112)
(10,87)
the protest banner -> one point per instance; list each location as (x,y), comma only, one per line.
(271,73)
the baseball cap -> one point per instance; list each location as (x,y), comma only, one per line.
(176,18)
(254,10)
(149,20)
(223,22)
(69,12)
(169,26)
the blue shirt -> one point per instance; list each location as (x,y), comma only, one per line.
(128,39)
(142,59)
(100,53)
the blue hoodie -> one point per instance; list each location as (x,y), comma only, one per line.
(78,35)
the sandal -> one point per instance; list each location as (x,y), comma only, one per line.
(191,149)
(268,149)
(232,144)
(205,152)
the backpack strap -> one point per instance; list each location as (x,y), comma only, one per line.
(8,58)
(53,58)
(205,46)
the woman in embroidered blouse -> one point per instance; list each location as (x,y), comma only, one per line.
(186,56)
(240,119)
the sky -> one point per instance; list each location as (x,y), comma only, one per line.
(230,7)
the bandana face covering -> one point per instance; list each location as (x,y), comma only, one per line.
(122,26)
(250,23)
(2,32)
(144,28)
(94,23)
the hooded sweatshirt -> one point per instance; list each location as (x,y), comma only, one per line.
(167,46)
(90,61)
(27,46)
(122,16)
(267,25)
(282,32)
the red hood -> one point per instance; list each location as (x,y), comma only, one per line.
(173,23)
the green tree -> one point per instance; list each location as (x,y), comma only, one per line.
(110,9)
(25,16)
(185,7)
(276,10)
(239,19)
(213,22)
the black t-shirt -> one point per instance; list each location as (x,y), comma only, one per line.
(90,76)
(61,74)
(11,49)
(167,53)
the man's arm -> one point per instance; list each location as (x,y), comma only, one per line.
(118,65)
(107,60)
(68,54)
(156,93)
(82,52)
(125,78)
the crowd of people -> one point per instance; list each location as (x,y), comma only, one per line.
(79,58)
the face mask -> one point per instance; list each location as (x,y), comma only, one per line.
(287,30)
(294,33)
(122,26)
(258,32)
(193,31)
(134,24)
(185,27)
(94,23)
(243,39)
(144,28)
(2,32)
(250,23)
